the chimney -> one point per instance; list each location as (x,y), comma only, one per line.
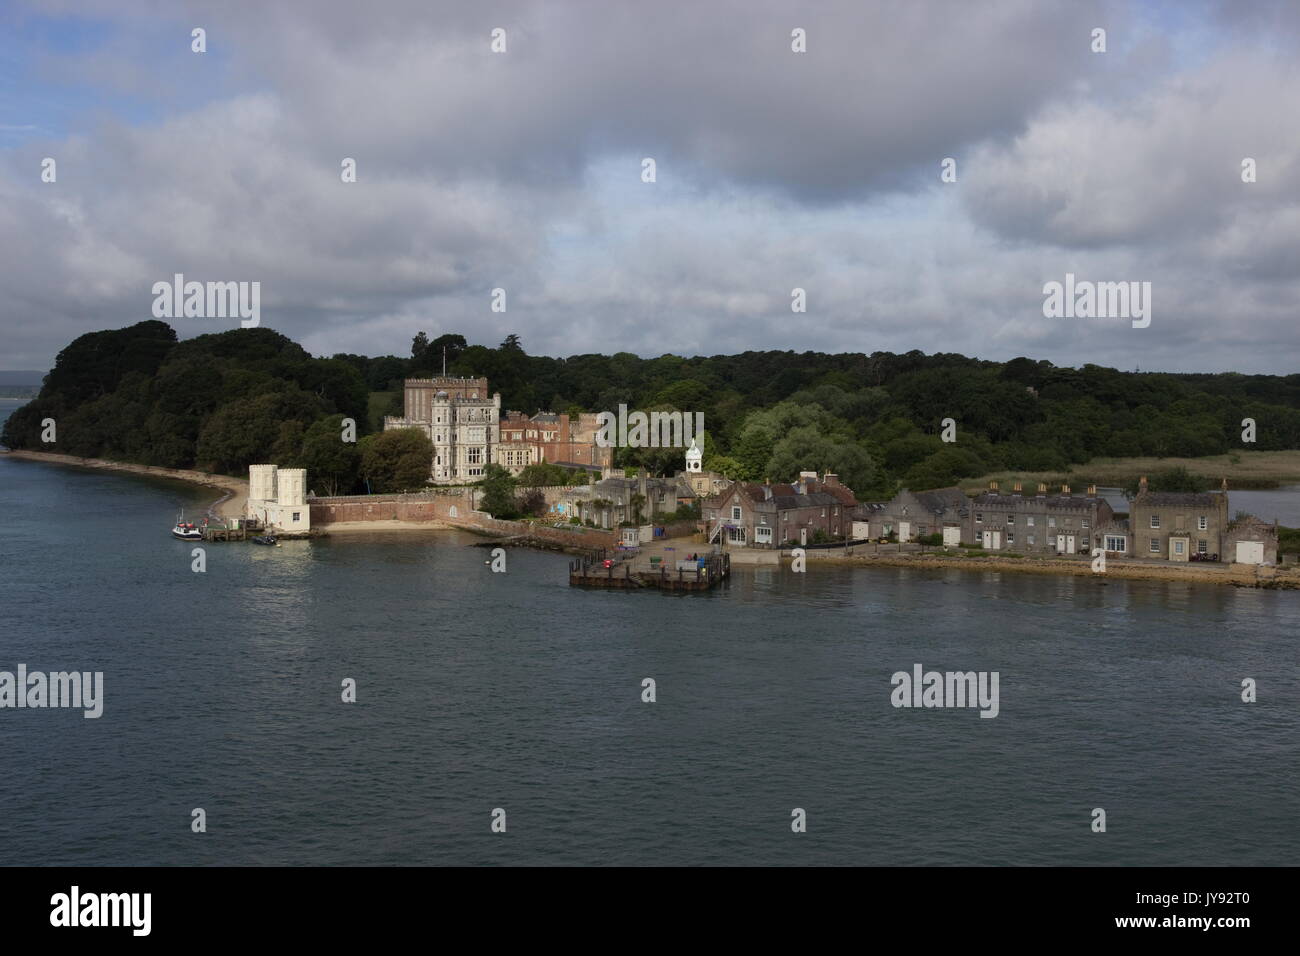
(1016,488)
(831,480)
(1142,485)
(993,487)
(1092,491)
(1223,485)
(1042,489)
(1065,489)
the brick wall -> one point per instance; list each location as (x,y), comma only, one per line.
(437,507)
(425,506)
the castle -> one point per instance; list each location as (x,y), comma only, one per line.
(276,498)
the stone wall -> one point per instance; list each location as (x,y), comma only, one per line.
(576,538)
(450,507)
(423,506)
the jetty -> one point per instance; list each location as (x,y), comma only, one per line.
(222,531)
(630,569)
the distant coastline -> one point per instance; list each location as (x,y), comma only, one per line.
(230,505)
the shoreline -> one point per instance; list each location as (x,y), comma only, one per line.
(229,505)
(1239,575)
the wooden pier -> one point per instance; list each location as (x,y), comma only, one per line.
(632,572)
(219,532)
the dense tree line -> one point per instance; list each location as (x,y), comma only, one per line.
(223,401)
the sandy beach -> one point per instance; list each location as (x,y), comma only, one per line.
(383,527)
(234,490)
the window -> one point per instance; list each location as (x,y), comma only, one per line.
(1051,522)
(979,518)
(1115,542)
(1029,520)
(475,457)
(1085,523)
(1011,519)
(763,534)
(1202,547)
(1011,537)
(1030,539)
(1178,546)
(1155,546)
(1155,521)
(1202,523)
(297,516)
(735,512)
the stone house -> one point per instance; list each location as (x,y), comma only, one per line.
(1172,525)
(750,515)
(1042,523)
(910,514)
(611,501)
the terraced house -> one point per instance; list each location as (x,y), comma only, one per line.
(1041,523)
(1174,525)
(914,514)
(749,515)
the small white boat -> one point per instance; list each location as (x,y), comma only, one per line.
(186,531)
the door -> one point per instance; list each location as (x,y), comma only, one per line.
(992,540)
(904,531)
(1250,552)
(1060,544)
(1069,544)
(952,536)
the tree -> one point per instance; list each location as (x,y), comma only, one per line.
(419,345)
(498,492)
(332,464)
(396,460)
(532,502)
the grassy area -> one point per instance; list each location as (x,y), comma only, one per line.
(1247,469)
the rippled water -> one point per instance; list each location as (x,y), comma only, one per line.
(479,690)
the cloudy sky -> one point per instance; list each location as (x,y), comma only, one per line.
(522,170)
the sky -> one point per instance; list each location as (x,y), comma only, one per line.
(774,170)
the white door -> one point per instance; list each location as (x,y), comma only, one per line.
(993,540)
(1060,544)
(952,536)
(1250,552)
(904,531)
(1069,544)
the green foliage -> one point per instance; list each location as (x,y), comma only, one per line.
(1173,480)
(243,395)
(397,460)
(332,464)
(498,493)
(544,474)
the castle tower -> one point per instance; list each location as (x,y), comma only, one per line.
(290,486)
(261,482)
(694,459)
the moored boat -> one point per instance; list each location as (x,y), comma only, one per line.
(186,531)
